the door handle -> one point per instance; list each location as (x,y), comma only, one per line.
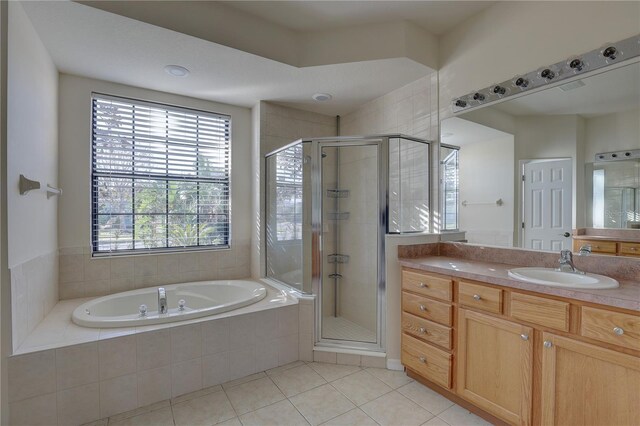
(566,235)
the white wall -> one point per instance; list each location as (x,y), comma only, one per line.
(32,140)
(486,175)
(510,38)
(5,287)
(32,150)
(81,275)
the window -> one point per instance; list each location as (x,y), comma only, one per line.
(450,188)
(289,194)
(160,177)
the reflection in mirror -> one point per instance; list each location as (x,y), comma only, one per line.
(538,154)
(450,186)
(485,174)
(615,195)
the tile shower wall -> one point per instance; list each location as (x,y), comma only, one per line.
(279,126)
(84,276)
(358,237)
(411,110)
(83,383)
(34,292)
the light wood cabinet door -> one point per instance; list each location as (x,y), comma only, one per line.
(495,366)
(583,384)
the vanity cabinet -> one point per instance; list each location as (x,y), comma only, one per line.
(609,247)
(495,365)
(519,357)
(583,384)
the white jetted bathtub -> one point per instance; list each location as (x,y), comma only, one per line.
(184,301)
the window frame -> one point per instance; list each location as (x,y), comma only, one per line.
(168,179)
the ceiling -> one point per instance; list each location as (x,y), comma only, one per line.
(90,42)
(607,92)
(437,17)
(459,132)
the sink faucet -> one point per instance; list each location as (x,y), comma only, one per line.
(585,250)
(162,301)
(566,262)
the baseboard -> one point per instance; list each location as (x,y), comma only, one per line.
(394,364)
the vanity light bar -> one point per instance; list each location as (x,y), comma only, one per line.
(609,54)
(631,154)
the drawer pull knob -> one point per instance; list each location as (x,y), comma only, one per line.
(476,297)
(422,330)
(619,331)
(524,337)
(422,285)
(422,359)
(547,344)
(423,308)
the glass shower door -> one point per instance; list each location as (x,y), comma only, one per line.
(350,242)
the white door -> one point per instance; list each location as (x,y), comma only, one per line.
(547,205)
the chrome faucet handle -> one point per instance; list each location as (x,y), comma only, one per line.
(566,255)
(585,250)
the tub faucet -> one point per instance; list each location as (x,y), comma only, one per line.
(162,301)
(566,262)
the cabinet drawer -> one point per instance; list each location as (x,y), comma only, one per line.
(630,249)
(480,297)
(598,246)
(427,308)
(541,311)
(427,284)
(426,360)
(611,327)
(426,330)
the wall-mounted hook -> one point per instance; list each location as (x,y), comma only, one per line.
(51,191)
(27,185)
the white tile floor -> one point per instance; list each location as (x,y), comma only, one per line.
(306,393)
(341,328)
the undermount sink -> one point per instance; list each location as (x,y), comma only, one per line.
(553,277)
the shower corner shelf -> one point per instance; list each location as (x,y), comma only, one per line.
(338,215)
(338,193)
(338,258)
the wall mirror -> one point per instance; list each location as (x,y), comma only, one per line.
(526,172)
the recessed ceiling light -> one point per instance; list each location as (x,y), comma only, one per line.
(176,70)
(321,97)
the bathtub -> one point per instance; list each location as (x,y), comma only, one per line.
(200,299)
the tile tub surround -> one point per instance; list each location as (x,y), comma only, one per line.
(82,275)
(34,293)
(306,394)
(125,369)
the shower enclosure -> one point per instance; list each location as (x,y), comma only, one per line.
(329,204)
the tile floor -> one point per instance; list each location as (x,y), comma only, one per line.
(303,393)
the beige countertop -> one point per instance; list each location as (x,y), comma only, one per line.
(627,296)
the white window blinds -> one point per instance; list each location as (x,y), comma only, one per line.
(160,177)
